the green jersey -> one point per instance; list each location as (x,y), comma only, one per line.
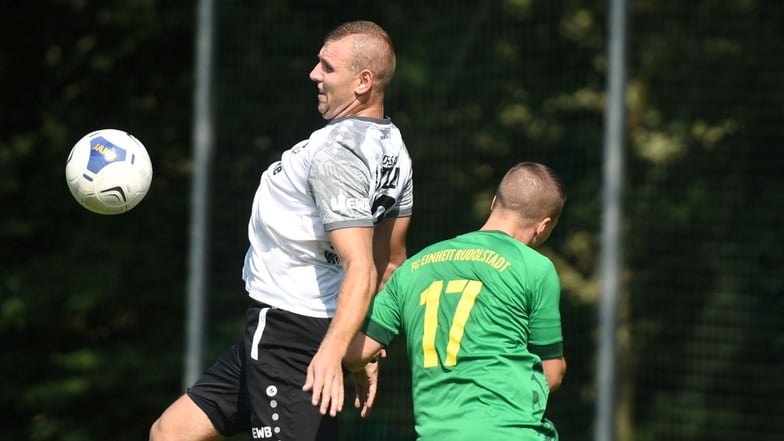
(479,312)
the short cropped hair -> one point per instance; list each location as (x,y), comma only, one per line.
(532,189)
(373,49)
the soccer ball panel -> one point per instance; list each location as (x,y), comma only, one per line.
(108,171)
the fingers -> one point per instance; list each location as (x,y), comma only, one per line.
(333,401)
(313,383)
(361,393)
(366,402)
(309,379)
(328,399)
(326,386)
(360,402)
(366,385)
(369,400)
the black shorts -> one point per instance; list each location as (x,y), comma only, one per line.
(256,387)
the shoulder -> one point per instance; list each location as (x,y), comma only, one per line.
(340,139)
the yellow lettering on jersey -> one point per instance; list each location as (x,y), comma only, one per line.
(489,257)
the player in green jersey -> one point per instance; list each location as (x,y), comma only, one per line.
(480,315)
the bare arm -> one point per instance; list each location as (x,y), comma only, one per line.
(369,256)
(354,246)
(389,246)
(325,374)
(362,350)
(554,371)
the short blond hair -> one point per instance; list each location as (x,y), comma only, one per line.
(532,190)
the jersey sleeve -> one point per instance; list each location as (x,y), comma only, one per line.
(405,206)
(546,339)
(340,184)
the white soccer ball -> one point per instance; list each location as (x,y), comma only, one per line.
(108,171)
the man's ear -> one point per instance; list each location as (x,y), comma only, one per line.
(366,79)
(541,227)
(540,233)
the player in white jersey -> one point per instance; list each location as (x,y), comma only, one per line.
(327,228)
(351,173)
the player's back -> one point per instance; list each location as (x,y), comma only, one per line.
(467,312)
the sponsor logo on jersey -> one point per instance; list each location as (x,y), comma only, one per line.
(341,203)
(389,160)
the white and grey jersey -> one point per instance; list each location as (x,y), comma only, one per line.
(351,173)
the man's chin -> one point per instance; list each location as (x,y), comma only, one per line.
(323,111)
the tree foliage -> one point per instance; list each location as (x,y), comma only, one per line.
(91,307)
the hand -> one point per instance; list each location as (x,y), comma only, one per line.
(325,379)
(366,384)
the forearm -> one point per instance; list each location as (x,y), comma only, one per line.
(554,371)
(354,300)
(385,272)
(358,364)
(389,247)
(362,350)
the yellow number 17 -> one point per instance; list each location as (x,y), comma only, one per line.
(468,290)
